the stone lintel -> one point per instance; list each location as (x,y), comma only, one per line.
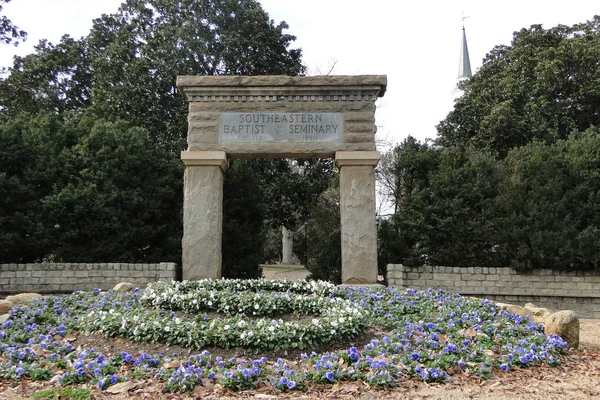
(357,158)
(282,81)
(281,84)
(194,158)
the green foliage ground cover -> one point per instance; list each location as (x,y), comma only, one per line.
(428,336)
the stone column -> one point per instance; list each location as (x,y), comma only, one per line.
(358,215)
(202,214)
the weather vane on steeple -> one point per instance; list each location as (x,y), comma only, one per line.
(463,19)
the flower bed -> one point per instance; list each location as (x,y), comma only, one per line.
(339,319)
(428,336)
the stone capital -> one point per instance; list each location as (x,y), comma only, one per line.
(195,158)
(357,158)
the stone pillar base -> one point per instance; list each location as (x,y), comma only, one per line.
(358,216)
(202,214)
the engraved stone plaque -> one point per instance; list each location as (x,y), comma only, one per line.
(278,127)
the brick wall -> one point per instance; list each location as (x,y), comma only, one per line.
(65,277)
(578,291)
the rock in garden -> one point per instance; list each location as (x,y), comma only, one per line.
(5,306)
(23,299)
(564,324)
(502,306)
(123,287)
(518,310)
(538,314)
(4,317)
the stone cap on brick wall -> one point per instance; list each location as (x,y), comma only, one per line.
(278,84)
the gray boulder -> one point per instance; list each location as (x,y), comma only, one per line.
(523,312)
(564,324)
(23,299)
(538,314)
(5,306)
(123,287)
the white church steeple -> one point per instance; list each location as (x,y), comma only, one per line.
(464,64)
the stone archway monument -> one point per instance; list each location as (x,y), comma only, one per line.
(280,117)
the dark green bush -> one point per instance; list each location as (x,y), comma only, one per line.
(538,208)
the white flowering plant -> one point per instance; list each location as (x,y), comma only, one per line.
(249,307)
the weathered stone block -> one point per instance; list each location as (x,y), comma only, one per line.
(426,275)
(203,214)
(563,278)
(584,286)
(394,275)
(443,277)
(358,225)
(358,137)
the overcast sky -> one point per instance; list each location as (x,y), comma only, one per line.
(415,43)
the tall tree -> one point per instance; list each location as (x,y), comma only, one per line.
(550,200)
(30,149)
(127,66)
(88,192)
(453,218)
(9,33)
(54,79)
(404,168)
(116,197)
(139,51)
(544,86)
(125,71)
